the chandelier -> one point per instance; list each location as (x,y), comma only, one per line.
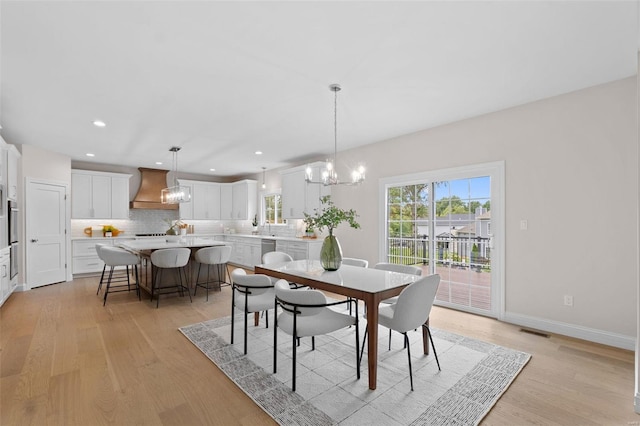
(175,194)
(329,176)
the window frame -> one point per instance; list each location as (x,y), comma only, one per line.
(263,206)
(496,170)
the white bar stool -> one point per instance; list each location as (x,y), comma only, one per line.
(216,256)
(114,257)
(171,258)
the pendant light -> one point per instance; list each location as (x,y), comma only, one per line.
(329,175)
(264,185)
(175,194)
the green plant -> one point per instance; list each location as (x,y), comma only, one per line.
(255,220)
(329,216)
(174,226)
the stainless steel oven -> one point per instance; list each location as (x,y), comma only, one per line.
(13,221)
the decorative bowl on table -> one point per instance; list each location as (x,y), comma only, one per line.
(173,238)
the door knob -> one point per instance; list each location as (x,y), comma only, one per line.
(34,240)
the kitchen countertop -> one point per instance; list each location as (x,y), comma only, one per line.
(259,237)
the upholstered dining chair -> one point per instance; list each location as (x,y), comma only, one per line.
(275,257)
(251,293)
(410,311)
(307,313)
(352,261)
(394,267)
(355,262)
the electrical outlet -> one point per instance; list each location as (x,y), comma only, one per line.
(568,300)
(524,225)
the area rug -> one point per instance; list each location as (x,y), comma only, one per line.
(474,375)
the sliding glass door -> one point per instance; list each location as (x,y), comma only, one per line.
(443,222)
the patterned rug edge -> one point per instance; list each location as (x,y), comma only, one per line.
(299,411)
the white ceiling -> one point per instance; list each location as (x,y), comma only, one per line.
(224,79)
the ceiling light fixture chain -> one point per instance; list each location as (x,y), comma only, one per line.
(329,176)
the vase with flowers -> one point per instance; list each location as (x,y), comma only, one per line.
(329,216)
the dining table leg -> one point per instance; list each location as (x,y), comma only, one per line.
(371,304)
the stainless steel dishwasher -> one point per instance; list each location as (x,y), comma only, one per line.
(268,245)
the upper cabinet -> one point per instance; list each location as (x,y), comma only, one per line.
(244,195)
(226,201)
(13,158)
(205,201)
(220,201)
(99,195)
(298,196)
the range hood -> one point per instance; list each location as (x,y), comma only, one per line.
(152,182)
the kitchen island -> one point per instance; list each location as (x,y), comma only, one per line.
(144,248)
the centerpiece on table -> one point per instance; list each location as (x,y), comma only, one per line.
(176,227)
(329,216)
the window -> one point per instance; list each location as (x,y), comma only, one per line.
(272,209)
(442,222)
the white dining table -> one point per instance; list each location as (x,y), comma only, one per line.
(367,284)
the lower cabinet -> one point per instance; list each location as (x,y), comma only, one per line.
(85,259)
(299,250)
(245,252)
(5,281)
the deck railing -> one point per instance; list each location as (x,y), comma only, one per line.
(457,252)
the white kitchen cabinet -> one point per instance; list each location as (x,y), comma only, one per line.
(298,250)
(5,281)
(206,201)
(298,196)
(246,251)
(293,194)
(13,159)
(85,259)
(186,209)
(226,201)
(244,195)
(99,195)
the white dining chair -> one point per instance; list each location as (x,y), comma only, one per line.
(352,261)
(355,262)
(395,267)
(276,257)
(307,313)
(410,311)
(251,293)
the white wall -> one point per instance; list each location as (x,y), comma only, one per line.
(571,171)
(38,163)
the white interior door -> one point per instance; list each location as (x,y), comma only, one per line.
(46,245)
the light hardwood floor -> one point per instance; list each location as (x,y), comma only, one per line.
(67,360)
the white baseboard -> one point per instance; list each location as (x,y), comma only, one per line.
(572,330)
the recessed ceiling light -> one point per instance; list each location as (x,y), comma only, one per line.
(159,163)
(90,154)
(212,170)
(99,123)
(258,152)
